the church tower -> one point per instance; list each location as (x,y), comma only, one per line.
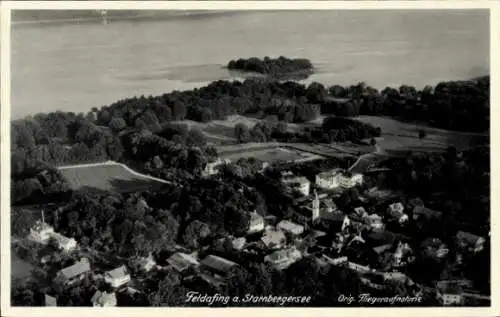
(315,208)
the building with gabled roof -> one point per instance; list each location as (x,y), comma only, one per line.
(181,262)
(256,224)
(72,274)
(470,241)
(117,277)
(282,259)
(420,212)
(217,265)
(64,243)
(273,239)
(290,227)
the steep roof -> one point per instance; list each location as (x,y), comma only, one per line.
(273,236)
(75,269)
(467,237)
(218,264)
(290,226)
(426,212)
(181,261)
(117,273)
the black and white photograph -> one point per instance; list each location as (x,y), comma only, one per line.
(249,158)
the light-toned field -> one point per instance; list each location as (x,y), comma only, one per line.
(108,176)
(399,136)
(221,132)
(273,155)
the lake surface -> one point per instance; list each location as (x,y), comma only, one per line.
(76,66)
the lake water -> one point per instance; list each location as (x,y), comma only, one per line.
(74,67)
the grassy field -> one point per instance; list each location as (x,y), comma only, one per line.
(107,176)
(20,269)
(221,132)
(273,154)
(400,136)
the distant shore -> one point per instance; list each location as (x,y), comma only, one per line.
(34,17)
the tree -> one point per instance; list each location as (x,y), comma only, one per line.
(422,134)
(196,138)
(242,133)
(195,232)
(117,124)
(170,292)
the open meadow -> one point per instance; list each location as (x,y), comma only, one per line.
(108,176)
(400,136)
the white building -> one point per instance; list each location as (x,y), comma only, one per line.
(282,259)
(374,221)
(349,181)
(396,211)
(64,243)
(338,178)
(256,223)
(290,227)
(117,277)
(328,180)
(273,239)
(41,232)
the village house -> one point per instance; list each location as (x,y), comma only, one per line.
(73,274)
(423,213)
(397,277)
(238,243)
(181,262)
(290,227)
(273,239)
(64,243)
(256,224)
(395,211)
(146,263)
(104,299)
(335,222)
(434,247)
(360,212)
(41,232)
(216,266)
(470,241)
(374,221)
(282,259)
(300,183)
(402,255)
(328,179)
(349,180)
(117,277)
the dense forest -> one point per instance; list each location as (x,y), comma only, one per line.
(278,68)
(139,131)
(333,129)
